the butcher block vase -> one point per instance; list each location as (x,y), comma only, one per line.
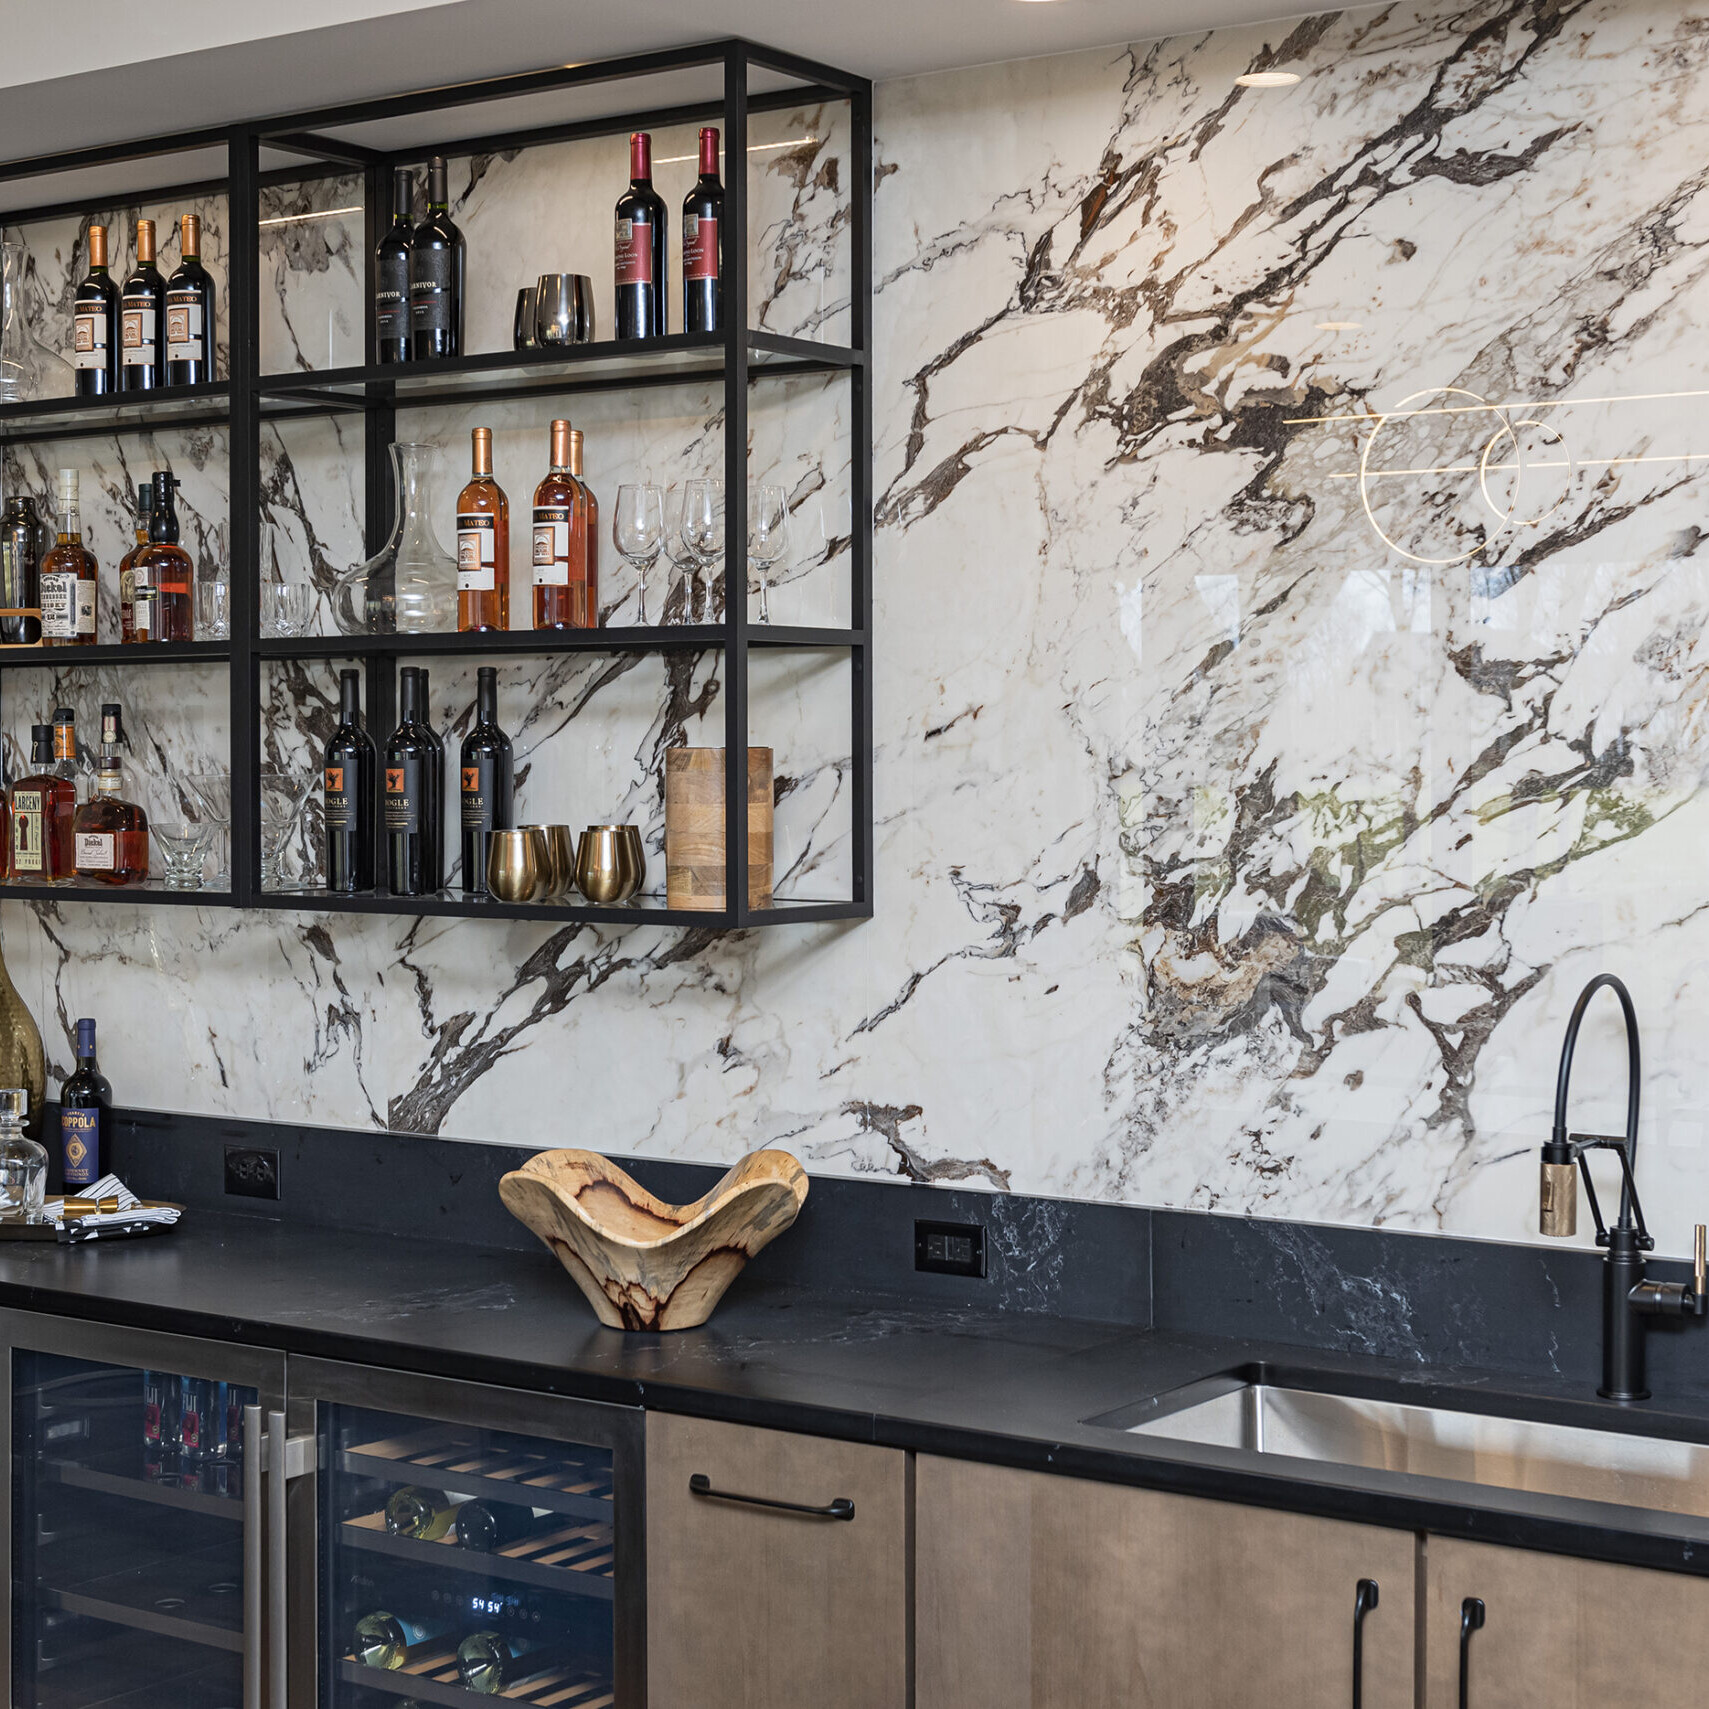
(694,827)
(642,1263)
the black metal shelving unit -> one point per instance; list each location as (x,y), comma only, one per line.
(722,81)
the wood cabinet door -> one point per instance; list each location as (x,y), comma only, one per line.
(752,1607)
(1559,1633)
(1041,1592)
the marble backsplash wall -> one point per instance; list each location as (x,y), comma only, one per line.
(1289,686)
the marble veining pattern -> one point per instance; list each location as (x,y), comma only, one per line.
(1254,787)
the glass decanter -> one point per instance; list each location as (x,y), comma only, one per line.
(28,369)
(23,1163)
(409,587)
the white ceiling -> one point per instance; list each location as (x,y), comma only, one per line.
(68,89)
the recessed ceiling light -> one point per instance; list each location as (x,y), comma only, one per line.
(1267,79)
(1338,326)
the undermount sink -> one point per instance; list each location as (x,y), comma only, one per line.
(1236,1410)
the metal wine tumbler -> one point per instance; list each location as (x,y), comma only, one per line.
(602,865)
(561,851)
(522,332)
(563,309)
(635,855)
(514,865)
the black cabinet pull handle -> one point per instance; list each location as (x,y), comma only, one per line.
(840,1508)
(1471,1620)
(1364,1600)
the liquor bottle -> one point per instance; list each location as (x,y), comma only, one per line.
(486,770)
(190,311)
(391,273)
(68,762)
(419,1512)
(488,1525)
(95,324)
(412,801)
(85,1115)
(347,777)
(162,576)
(702,240)
(383,1640)
(436,275)
(566,544)
(437,871)
(640,253)
(159,1422)
(22,549)
(142,318)
(198,1402)
(69,588)
(41,807)
(127,566)
(111,833)
(491,1662)
(483,544)
(23,1163)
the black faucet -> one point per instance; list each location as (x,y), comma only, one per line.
(1628,1300)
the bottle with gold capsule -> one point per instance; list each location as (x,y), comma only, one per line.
(566,544)
(483,544)
(142,319)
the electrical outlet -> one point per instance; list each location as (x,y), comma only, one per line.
(950,1248)
(251,1173)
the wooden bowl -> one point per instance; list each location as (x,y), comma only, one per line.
(644,1264)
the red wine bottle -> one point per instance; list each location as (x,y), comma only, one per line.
(348,780)
(486,771)
(85,1115)
(391,273)
(412,799)
(641,226)
(702,244)
(436,266)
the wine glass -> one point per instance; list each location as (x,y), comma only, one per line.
(703,522)
(212,789)
(638,531)
(768,536)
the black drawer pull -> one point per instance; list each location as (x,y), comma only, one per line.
(840,1508)
(1471,1620)
(1364,1600)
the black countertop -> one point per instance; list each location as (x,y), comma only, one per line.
(1011,1387)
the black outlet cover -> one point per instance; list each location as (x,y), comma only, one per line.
(251,1172)
(950,1248)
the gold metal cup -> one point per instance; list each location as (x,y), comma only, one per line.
(561,852)
(515,864)
(635,853)
(602,864)
(552,881)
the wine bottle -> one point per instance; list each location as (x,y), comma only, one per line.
(419,1512)
(85,1115)
(483,544)
(95,324)
(197,1430)
(347,777)
(190,311)
(566,546)
(410,795)
(127,566)
(491,1662)
(640,249)
(488,1525)
(584,546)
(702,239)
(142,318)
(162,576)
(391,273)
(485,770)
(437,817)
(384,1640)
(436,275)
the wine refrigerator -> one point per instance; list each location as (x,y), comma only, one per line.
(225,1528)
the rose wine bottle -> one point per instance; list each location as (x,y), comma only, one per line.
(483,544)
(640,252)
(702,239)
(565,541)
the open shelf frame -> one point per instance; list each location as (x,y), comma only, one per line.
(720,82)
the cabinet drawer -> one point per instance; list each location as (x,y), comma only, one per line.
(756,1607)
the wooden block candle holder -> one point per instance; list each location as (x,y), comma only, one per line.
(694,828)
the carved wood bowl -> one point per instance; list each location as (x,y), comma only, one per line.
(644,1264)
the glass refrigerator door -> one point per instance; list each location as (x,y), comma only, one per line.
(461,1562)
(128,1536)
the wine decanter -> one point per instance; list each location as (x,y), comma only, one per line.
(409,586)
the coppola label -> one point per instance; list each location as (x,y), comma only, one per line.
(634,252)
(80,1139)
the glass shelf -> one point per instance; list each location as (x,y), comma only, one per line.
(113,653)
(637,911)
(119,412)
(151,890)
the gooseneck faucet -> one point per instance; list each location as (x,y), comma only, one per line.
(1628,1299)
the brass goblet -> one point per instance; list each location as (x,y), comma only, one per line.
(561,847)
(515,863)
(635,852)
(601,864)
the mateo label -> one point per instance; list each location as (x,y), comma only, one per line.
(551,546)
(139,329)
(80,1141)
(477,552)
(184,326)
(634,252)
(89,338)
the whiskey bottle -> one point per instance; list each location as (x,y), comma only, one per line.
(95,324)
(412,801)
(483,544)
(142,318)
(190,311)
(111,833)
(419,1512)
(22,548)
(347,778)
(383,1640)
(127,566)
(85,1115)
(41,808)
(566,546)
(436,265)
(485,770)
(391,273)
(68,762)
(162,575)
(69,587)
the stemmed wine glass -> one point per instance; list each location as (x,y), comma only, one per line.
(768,536)
(638,531)
(703,522)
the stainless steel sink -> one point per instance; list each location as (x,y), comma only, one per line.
(1505,1453)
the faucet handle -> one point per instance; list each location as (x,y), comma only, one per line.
(1700,1267)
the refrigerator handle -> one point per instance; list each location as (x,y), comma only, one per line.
(252,1450)
(287,1457)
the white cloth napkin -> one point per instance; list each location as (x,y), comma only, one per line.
(131,1208)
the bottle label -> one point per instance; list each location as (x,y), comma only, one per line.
(83,605)
(391,296)
(430,290)
(634,252)
(184,326)
(551,545)
(477,552)
(699,247)
(403,799)
(138,326)
(340,800)
(28,812)
(89,337)
(477,797)
(80,1135)
(95,851)
(59,605)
